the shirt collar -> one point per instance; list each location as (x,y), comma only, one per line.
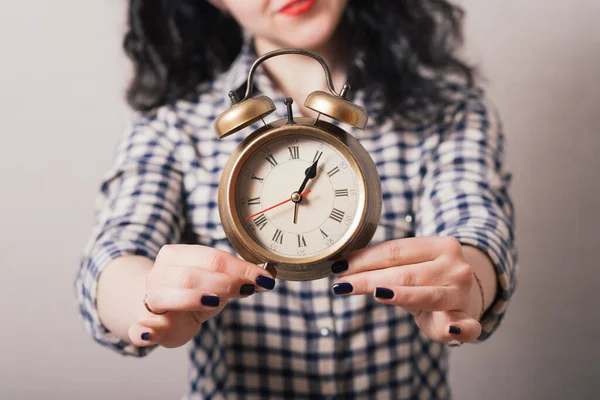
(236,76)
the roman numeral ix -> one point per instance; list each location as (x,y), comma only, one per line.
(253,202)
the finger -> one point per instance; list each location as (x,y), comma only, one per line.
(414,312)
(142,335)
(216,261)
(395,253)
(166,298)
(428,273)
(169,330)
(426,298)
(450,326)
(202,280)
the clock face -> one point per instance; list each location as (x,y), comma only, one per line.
(271,209)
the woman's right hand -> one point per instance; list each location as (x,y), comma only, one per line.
(192,283)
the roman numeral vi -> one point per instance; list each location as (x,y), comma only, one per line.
(301,241)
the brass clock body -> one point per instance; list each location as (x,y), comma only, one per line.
(360,228)
(297,193)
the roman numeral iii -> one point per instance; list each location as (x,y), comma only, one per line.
(341,193)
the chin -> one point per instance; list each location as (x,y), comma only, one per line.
(310,35)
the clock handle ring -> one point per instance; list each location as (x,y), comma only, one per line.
(280,52)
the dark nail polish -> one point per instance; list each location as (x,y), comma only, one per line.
(210,301)
(247,289)
(339,266)
(455,330)
(265,282)
(342,288)
(146,336)
(384,293)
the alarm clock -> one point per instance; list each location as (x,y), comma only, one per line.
(297,193)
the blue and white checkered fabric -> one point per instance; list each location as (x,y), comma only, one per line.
(300,340)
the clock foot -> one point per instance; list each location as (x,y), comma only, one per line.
(271,268)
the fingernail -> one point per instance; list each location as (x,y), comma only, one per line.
(339,266)
(210,301)
(384,293)
(265,282)
(342,288)
(247,289)
(455,330)
(145,336)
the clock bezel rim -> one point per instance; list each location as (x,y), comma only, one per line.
(241,240)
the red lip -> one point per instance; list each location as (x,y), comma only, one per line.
(297,7)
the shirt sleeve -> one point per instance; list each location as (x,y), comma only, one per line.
(138,210)
(465,195)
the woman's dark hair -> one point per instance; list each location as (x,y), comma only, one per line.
(403,49)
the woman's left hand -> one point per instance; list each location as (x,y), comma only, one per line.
(427,276)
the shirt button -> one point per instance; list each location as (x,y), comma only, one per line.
(325,332)
(408,218)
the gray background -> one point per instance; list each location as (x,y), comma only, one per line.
(62,75)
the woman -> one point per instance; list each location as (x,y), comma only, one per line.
(158,269)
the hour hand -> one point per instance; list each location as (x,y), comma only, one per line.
(309,173)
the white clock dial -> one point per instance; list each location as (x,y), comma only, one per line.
(270,177)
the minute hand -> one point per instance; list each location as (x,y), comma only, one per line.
(310,173)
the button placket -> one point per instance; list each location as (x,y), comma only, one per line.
(326,337)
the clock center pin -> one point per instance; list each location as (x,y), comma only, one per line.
(296,198)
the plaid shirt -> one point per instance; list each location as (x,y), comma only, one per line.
(300,340)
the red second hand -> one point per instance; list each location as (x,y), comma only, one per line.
(276,205)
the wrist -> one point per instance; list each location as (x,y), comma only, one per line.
(120,293)
(484,284)
(477,298)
